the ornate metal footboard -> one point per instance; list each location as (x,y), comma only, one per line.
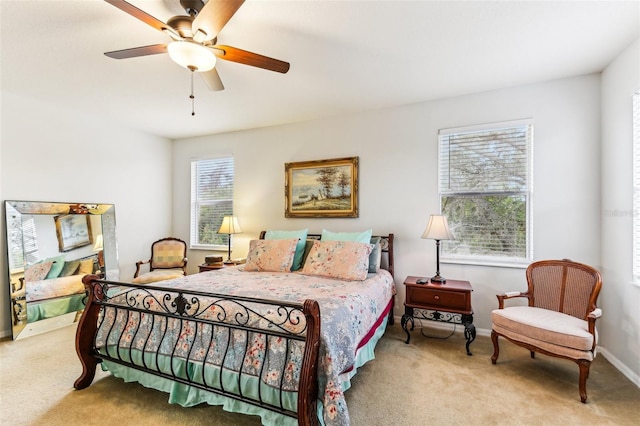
(152,329)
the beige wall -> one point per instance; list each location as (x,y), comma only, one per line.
(398,177)
(620,298)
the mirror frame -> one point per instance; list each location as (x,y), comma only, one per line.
(14,213)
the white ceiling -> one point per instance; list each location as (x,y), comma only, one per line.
(345,56)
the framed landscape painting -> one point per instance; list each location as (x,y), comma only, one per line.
(322,188)
(73,231)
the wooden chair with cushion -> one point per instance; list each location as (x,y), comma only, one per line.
(168,260)
(560,317)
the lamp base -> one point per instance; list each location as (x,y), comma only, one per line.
(229,261)
(438,279)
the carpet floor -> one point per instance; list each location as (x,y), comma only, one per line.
(429,381)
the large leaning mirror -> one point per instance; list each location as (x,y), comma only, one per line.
(50,247)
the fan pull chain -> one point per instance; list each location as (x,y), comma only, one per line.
(192,97)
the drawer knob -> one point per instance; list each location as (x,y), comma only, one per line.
(436,297)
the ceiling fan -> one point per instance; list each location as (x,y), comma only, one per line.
(193,39)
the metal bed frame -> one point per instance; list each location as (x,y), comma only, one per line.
(186,306)
(191,306)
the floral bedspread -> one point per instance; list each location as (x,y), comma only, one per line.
(348,311)
(54,287)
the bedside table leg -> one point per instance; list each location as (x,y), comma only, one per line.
(405,319)
(469,331)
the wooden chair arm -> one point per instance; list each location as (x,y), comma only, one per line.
(138,264)
(591,321)
(509,295)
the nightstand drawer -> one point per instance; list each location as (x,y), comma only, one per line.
(429,297)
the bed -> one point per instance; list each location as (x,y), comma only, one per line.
(49,296)
(53,297)
(278,344)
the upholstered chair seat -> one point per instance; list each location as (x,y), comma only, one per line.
(550,330)
(559,319)
(158,275)
(168,261)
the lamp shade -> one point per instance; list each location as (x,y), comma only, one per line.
(437,229)
(191,55)
(229,225)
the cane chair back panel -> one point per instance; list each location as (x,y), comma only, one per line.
(563,286)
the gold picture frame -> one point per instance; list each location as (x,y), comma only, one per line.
(73,231)
(322,188)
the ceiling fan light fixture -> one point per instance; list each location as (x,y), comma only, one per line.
(192,56)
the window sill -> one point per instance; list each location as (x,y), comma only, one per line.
(211,247)
(488,262)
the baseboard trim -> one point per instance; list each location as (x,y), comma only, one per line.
(620,366)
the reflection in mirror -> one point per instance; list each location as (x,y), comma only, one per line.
(50,247)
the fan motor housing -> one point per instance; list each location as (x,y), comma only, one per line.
(182,25)
(192,7)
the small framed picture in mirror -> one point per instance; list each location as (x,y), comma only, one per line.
(73,231)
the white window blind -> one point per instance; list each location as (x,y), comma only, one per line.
(636,188)
(484,185)
(21,232)
(211,200)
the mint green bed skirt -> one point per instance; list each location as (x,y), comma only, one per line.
(54,307)
(189,396)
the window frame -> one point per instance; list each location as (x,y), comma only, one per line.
(635,260)
(527,192)
(195,204)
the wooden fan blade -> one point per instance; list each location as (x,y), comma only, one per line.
(213,17)
(154,49)
(212,79)
(140,14)
(234,54)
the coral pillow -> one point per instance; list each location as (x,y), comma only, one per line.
(271,255)
(345,260)
(37,272)
(286,235)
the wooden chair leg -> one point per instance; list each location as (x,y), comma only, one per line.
(584,365)
(496,348)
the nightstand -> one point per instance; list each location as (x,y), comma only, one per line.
(449,302)
(204,267)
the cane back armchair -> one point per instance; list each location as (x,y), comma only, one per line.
(168,260)
(560,317)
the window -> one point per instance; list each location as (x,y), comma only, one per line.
(22,242)
(636,188)
(485,193)
(211,200)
